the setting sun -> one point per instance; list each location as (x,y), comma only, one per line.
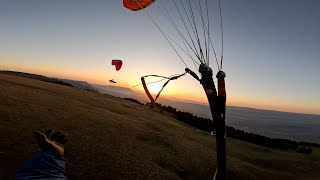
(154,88)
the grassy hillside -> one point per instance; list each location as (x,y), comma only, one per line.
(113,138)
(35,76)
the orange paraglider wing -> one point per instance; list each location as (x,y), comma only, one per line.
(117,64)
(136,5)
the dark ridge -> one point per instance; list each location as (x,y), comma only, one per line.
(309,144)
(36,77)
(133,100)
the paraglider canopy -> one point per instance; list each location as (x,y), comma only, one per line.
(117,64)
(136,5)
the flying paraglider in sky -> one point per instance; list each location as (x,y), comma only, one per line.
(191,39)
(118,64)
(112,81)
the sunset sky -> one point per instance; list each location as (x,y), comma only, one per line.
(271,52)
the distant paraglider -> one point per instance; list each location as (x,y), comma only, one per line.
(117,64)
(112,81)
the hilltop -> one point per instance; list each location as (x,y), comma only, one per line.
(112,138)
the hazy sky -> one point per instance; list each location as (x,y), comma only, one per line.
(271,52)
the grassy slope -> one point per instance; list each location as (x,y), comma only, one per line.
(34,76)
(116,139)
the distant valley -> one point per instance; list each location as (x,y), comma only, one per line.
(274,124)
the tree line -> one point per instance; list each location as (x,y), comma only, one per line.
(208,125)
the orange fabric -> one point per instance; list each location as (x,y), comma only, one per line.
(146,89)
(136,5)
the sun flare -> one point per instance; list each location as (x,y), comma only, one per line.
(154,88)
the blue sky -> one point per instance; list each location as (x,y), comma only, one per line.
(271,52)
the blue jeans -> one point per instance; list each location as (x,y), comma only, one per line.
(42,165)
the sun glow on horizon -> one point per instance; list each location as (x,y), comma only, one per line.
(174,92)
(154,88)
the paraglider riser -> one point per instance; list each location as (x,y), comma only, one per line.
(217,106)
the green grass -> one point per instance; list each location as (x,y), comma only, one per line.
(111,138)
